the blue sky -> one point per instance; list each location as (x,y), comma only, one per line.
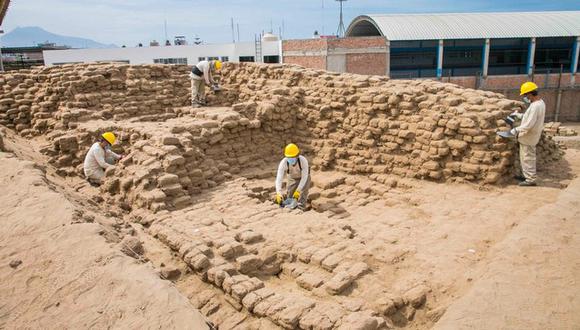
(128,22)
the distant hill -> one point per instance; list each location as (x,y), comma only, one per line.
(33,35)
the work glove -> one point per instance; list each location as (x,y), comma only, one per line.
(296,194)
(278,199)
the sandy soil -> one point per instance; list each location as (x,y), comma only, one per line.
(481,257)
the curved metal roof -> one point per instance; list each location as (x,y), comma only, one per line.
(467,25)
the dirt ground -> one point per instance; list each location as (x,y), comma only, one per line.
(423,255)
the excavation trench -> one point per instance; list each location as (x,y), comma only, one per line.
(200,182)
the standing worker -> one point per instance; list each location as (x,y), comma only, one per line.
(529,132)
(296,167)
(100,157)
(202,75)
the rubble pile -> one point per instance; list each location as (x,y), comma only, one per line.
(556,129)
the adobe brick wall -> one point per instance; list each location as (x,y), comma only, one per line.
(371,64)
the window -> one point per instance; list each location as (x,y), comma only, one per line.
(247,59)
(508,56)
(225,59)
(213,58)
(115,61)
(201,58)
(463,57)
(413,59)
(272,59)
(64,63)
(170,60)
(553,52)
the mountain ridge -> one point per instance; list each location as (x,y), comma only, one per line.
(33,35)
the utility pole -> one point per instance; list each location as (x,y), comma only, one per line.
(341,30)
(165,28)
(233,32)
(238,27)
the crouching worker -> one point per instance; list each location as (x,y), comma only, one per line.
(296,167)
(100,157)
(202,75)
(529,132)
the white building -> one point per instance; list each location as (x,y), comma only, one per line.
(266,51)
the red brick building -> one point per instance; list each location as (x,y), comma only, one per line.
(364,55)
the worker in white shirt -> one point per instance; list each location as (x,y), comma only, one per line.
(296,167)
(529,132)
(202,75)
(100,157)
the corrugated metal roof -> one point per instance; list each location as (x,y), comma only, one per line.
(471,25)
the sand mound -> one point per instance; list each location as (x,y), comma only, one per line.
(60,273)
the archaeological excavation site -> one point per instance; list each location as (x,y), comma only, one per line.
(413,220)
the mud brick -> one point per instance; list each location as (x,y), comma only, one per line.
(339,283)
(262,308)
(309,281)
(231,250)
(358,269)
(249,237)
(253,298)
(290,315)
(322,317)
(359,321)
(417,296)
(248,263)
(331,261)
(320,255)
(305,255)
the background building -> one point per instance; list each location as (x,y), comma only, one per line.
(493,51)
(266,51)
(468,44)
(15,58)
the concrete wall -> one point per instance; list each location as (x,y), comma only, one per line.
(354,55)
(146,55)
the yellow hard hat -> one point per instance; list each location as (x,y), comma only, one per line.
(527,87)
(109,137)
(291,150)
(218,65)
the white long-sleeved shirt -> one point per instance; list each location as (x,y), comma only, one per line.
(95,159)
(205,68)
(294,172)
(530,130)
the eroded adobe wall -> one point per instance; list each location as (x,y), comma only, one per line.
(355,124)
(56,98)
(369,124)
